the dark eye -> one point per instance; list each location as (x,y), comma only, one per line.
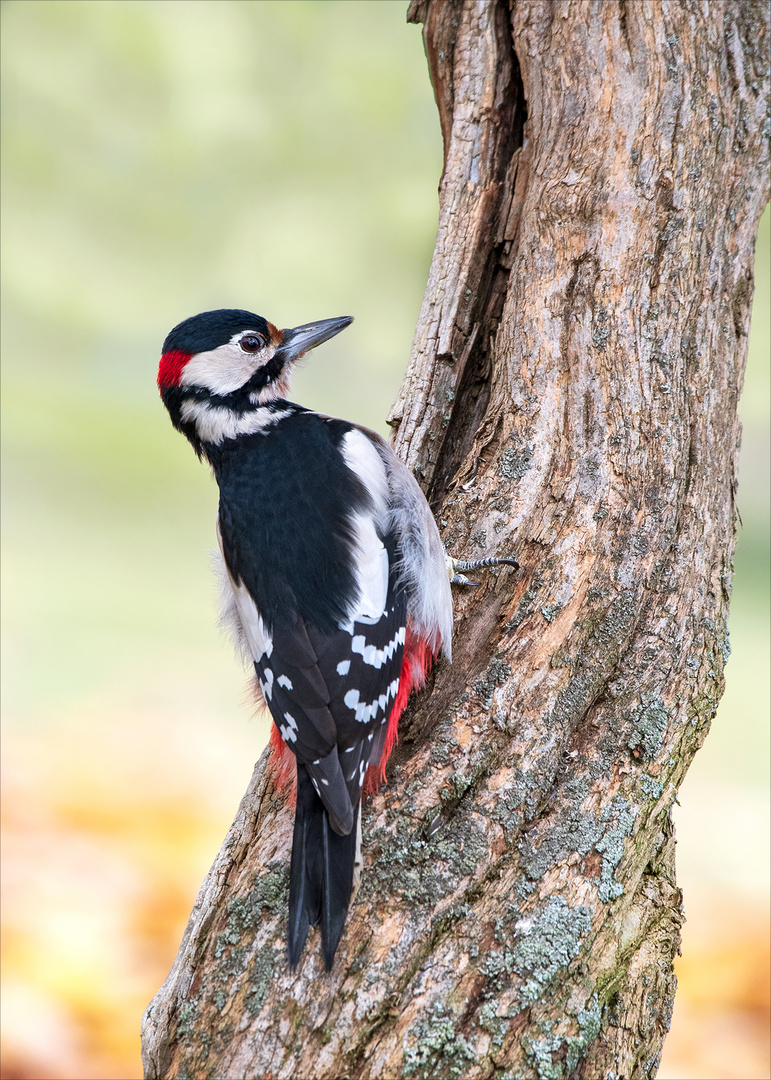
(251,343)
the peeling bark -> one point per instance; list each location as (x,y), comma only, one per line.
(571,397)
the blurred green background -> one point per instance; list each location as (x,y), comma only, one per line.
(162,157)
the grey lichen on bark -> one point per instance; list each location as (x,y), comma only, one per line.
(571,396)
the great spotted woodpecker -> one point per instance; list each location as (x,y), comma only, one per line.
(339,590)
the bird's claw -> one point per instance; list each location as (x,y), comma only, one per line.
(456,566)
(461,579)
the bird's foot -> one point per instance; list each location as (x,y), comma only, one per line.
(457,568)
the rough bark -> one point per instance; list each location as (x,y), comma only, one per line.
(571,396)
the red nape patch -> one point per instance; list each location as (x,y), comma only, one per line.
(281,765)
(416,664)
(171,367)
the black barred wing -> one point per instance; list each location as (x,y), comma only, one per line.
(367,664)
(330,694)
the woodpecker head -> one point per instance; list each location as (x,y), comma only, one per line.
(232,360)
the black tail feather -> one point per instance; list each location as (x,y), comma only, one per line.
(320,874)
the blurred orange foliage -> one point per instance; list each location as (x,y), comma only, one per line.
(107,832)
(721,1028)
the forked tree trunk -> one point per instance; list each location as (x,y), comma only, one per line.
(571,397)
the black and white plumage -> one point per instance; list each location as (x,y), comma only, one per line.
(338,583)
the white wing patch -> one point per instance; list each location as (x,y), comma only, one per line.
(371,568)
(370,557)
(362,458)
(214,423)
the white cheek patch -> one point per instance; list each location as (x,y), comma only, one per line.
(226,368)
(215,423)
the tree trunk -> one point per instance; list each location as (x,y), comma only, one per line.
(571,397)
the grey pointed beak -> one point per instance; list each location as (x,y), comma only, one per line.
(300,339)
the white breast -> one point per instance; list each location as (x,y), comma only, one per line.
(239,616)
